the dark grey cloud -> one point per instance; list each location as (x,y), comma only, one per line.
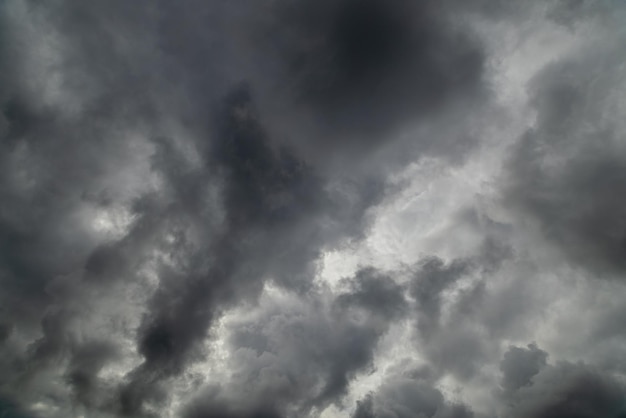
(574,12)
(11,410)
(565,389)
(433,277)
(520,365)
(362,69)
(409,394)
(565,170)
(375,293)
(211,408)
(453,345)
(168,168)
(86,362)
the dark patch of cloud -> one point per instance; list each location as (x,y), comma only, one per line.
(224,411)
(520,365)
(376,293)
(364,408)
(211,405)
(5,332)
(565,171)
(559,391)
(9,409)
(354,72)
(450,346)
(409,394)
(429,283)
(86,362)
(263,187)
(572,12)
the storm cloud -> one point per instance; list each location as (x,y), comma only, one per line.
(306,208)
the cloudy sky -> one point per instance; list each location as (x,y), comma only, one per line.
(312,208)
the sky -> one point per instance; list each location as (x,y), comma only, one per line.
(312,209)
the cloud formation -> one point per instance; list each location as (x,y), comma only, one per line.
(308,208)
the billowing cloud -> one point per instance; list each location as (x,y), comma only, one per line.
(311,209)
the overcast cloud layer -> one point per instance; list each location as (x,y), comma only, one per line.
(312,208)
